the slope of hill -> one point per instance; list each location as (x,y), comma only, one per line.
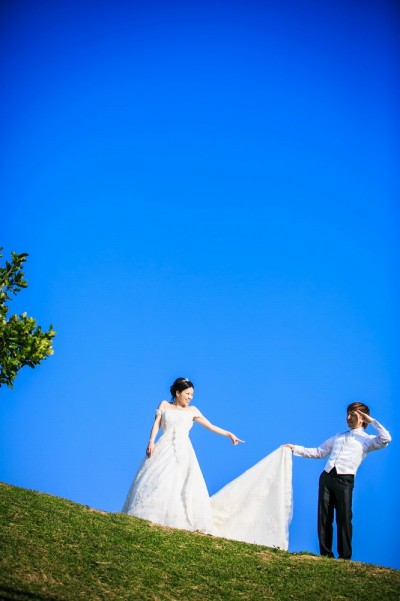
(55,550)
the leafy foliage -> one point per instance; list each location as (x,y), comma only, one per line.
(22,341)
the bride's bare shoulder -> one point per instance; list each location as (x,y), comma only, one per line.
(163,405)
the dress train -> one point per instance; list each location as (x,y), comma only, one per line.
(256,507)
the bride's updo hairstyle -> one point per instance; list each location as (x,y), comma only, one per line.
(179,385)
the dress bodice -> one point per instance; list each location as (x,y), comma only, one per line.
(177,422)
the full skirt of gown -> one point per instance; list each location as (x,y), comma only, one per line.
(169,489)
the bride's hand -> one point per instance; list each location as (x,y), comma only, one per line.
(235,440)
(150,449)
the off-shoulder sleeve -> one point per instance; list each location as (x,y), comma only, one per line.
(158,412)
(197,413)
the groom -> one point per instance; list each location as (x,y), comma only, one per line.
(346,452)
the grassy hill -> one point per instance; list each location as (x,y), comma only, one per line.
(54,550)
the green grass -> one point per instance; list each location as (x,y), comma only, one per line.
(54,550)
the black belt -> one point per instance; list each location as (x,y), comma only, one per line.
(334,473)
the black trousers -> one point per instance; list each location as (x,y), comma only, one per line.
(335,494)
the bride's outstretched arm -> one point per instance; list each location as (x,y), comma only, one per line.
(207,424)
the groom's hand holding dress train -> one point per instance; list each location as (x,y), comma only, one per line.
(346,451)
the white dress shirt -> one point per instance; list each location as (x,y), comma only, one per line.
(347,450)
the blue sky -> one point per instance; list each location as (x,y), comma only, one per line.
(206,190)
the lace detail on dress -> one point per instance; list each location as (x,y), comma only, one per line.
(194,413)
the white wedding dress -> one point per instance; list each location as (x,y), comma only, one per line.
(169,489)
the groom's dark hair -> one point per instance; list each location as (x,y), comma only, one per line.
(361,407)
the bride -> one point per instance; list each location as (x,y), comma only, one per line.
(169,488)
